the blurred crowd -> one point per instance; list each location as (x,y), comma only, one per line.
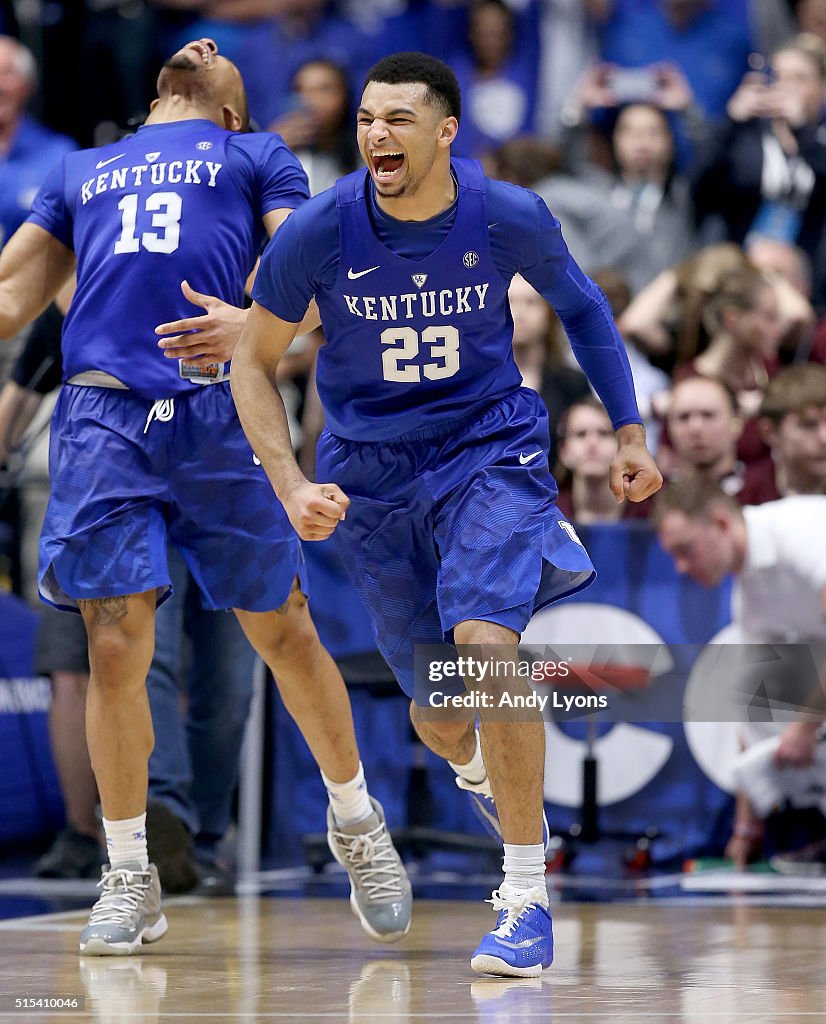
(681,143)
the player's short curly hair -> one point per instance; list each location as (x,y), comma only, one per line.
(442,87)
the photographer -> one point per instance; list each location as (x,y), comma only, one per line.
(763,171)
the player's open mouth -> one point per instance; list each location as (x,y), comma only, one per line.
(203,49)
(387,166)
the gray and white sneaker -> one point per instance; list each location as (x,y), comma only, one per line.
(127,913)
(380,893)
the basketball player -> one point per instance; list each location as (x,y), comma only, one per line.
(145,449)
(439,495)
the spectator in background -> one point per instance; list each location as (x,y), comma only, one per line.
(710,40)
(668,318)
(777,553)
(498,81)
(763,170)
(317,128)
(704,426)
(636,210)
(811,17)
(539,351)
(743,322)
(587,447)
(28,151)
(793,424)
(790,270)
(567,44)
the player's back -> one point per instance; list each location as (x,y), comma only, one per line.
(173,201)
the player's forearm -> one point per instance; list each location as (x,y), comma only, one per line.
(264,419)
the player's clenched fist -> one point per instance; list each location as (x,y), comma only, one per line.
(315,510)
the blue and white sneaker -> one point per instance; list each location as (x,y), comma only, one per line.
(522,943)
(484,806)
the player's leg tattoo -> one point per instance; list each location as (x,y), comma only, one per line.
(285,607)
(105,611)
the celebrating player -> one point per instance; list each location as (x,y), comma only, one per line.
(438,486)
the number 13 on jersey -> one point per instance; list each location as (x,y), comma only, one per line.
(441,348)
(166,208)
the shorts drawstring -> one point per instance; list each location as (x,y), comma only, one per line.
(163,409)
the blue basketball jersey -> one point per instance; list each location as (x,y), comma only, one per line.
(413,341)
(174,201)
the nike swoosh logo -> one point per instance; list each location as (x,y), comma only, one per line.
(525,459)
(353,275)
(518,945)
(111,160)
(255,460)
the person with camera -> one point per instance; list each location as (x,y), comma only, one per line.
(763,169)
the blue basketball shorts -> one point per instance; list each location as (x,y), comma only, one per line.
(452,522)
(129,475)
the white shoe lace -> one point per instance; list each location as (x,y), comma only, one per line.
(163,409)
(515,905)
(123,892)
(374,861)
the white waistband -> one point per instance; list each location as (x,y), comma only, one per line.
(97,379)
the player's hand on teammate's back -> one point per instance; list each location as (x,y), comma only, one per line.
(634,474)
(216,332)
(315,510)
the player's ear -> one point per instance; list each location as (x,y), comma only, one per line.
(232,120)
(448,131)
(154,103)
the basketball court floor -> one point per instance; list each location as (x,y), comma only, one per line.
(652,953)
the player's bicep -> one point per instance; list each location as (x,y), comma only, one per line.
(34,265)
(274,219)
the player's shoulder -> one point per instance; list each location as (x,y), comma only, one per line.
(259,145)
(517,211)
(314,223)
(512,198)
(318,215)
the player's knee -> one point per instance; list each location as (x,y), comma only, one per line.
(112,655)
(487,634)
(447,728)
(291,638)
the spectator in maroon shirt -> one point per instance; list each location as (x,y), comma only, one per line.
(704,426)
(793,424)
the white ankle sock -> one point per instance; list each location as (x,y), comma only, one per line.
(474,771)
(524,868)
(350,800)
(126,841)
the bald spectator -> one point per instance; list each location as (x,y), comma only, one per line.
(704,426)
(793,424)
(27,150)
